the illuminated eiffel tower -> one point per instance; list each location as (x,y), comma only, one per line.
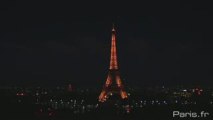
(113,84)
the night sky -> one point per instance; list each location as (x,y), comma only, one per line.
(57,42)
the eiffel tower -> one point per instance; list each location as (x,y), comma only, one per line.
(113,84)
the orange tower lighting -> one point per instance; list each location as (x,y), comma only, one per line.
(113,82)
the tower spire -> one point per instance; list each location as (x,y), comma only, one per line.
(113,57)
(113,27)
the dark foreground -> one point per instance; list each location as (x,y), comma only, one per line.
(61,105)
(32,112)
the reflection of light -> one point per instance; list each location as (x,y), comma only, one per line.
(199,93)
(128,111)
(20,94)
(96,105)
(50,114)
(127,107)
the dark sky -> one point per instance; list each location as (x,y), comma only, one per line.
(56,42)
